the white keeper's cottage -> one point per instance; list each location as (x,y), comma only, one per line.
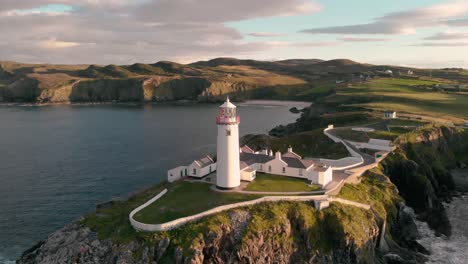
(234,164)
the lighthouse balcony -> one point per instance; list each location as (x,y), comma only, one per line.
(227,120)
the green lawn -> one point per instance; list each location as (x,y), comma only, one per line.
(276,183)
(352,135)
(187,198)
(405,122)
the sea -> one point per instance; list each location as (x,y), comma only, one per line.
(58,162)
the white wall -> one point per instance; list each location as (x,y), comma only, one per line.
(247,175)
(277,169)
(325,177)
(175,174)
(228,173)
(201,172)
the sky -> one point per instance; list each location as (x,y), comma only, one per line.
(419,33)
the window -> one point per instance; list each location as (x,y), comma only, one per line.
(284,170)
(194,171)
(300,172)
(269,168)
(228,132)
(261,167)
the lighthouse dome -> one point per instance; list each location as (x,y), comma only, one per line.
(227,104)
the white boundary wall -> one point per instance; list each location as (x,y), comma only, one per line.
(355,160)
(184,220)
(137,225)
(320,202)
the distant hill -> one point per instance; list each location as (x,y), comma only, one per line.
(212,80)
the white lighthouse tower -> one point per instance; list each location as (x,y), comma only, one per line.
(228,170)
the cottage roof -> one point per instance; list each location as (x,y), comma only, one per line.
(251,158)
(291,155)
(321,168)
(243,165)
(203,162)
(247,149)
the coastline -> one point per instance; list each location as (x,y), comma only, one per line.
(286,103)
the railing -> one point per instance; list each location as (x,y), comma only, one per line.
(227,120)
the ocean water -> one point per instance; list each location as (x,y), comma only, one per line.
(58,162)
(453,249)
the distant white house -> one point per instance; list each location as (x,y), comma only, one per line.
(410,72)
(389,72)
(465,124)
(390,114)
(198,169)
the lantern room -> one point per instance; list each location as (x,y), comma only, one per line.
(227,114)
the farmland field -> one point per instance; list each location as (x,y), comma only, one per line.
(402,95)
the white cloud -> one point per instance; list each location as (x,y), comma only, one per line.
(56,44)
(442,44)
(448,36)
(355,39)
(404,22)
(266,34)
(117,31)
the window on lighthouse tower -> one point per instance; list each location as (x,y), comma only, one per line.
(228,132)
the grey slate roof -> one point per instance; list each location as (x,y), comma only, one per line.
(203,162)
(247,149)
(250,158)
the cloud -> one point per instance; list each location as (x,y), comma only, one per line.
(118,31)
(441,44)
(265,34)
(404,22)
(457,22)
(222,10)
(56,44)
(315,44)
(354,39)
(447,36)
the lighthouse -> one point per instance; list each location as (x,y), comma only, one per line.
(228,170)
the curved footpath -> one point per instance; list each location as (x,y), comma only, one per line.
(321,199)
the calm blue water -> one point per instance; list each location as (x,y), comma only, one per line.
(58,162)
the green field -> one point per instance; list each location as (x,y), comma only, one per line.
(402,95)
(276,183)
(187,198)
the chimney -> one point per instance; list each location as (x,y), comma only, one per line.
(278,155)
(271,153)
(290,149)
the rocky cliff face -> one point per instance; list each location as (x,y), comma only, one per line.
(420,169)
